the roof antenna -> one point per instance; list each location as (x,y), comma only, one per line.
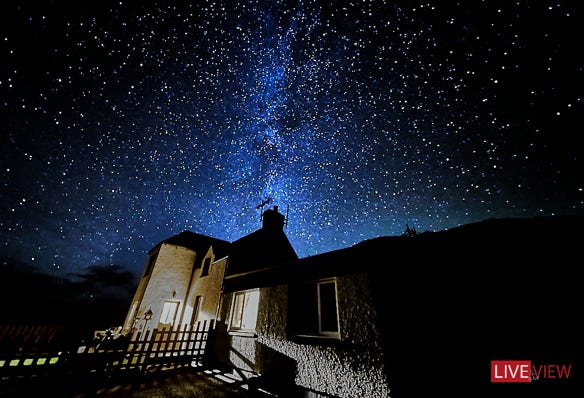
(286,219)
(261,206)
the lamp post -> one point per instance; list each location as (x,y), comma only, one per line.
(147,317)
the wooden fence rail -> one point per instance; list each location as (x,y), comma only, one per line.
(146,352)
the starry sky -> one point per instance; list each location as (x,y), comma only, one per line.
(124,123)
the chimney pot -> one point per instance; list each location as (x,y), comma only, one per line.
(272,219)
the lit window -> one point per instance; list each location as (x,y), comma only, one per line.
(132,317)
(245,310)
(169,311)
(313,309)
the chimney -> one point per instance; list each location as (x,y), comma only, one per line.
(273,220)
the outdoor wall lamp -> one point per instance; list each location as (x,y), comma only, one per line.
(147,316)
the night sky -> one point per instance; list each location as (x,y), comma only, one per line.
(124,123)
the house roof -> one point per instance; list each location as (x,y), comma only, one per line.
(512,246)
(265,247)
(198,243)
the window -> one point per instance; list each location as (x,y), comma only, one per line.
(206,266)
(132,317)
(328,321)
(197,308)
(169,311)
(313,309)
(244,310)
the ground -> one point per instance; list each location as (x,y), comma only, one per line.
(184,383)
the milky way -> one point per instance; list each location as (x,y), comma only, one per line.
(124,123)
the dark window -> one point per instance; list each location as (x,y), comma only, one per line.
(197,308)
(327,306)
(206,266)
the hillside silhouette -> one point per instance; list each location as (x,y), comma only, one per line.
(499,289)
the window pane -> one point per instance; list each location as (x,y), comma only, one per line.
(197,308)
(245,310)
(328,307)
(238,310)
(250,310)
(206,266)
(164,314)
(305,309)
(169,312)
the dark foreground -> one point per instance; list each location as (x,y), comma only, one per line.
(183,383)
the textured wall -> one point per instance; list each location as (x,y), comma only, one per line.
(171,274)
(352,367)
(209,287)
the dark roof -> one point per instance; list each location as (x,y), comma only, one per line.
(262,248)
(266,247)
(513,246)
(198,243)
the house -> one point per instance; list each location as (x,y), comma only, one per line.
(394,315)
(411,314)
(306,328)
(183,277)
(180,283)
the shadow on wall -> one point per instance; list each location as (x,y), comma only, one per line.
(277,372)
(273,371)
(221,345)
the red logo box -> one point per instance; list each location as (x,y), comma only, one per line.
(510,371)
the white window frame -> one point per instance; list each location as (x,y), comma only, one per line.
(309,294)
(321,332)
(244,311)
